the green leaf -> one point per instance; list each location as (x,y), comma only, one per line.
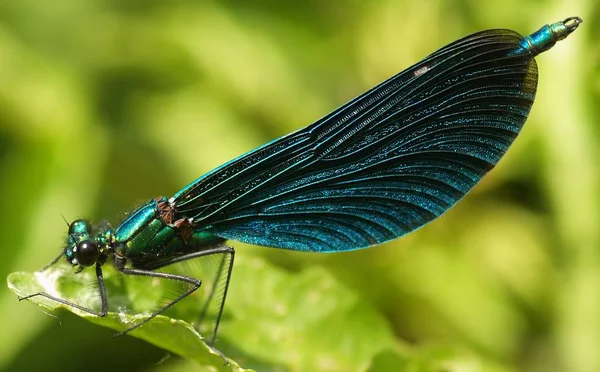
(389,360)
(170,334)
(307,321)
(275,319)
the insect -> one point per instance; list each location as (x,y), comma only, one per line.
(380,166)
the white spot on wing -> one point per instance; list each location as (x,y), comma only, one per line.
(421,71)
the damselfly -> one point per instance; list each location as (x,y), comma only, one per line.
(378,167)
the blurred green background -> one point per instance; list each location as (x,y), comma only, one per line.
(106,104)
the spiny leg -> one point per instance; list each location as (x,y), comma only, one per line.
(213,288)
(103,297)
(196,283)
(55,260)
(223,249)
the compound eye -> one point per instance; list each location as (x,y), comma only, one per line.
(86,253)
(80,227)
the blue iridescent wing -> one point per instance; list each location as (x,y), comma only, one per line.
(382,165)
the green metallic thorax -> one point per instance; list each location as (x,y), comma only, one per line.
(145,237)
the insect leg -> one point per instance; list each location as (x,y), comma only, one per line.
(147,271)
(55,260)
(103,297)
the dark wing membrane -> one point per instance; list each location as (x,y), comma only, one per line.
(384,164)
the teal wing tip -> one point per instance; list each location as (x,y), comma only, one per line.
(572,23)
(563,29)
(545,38)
